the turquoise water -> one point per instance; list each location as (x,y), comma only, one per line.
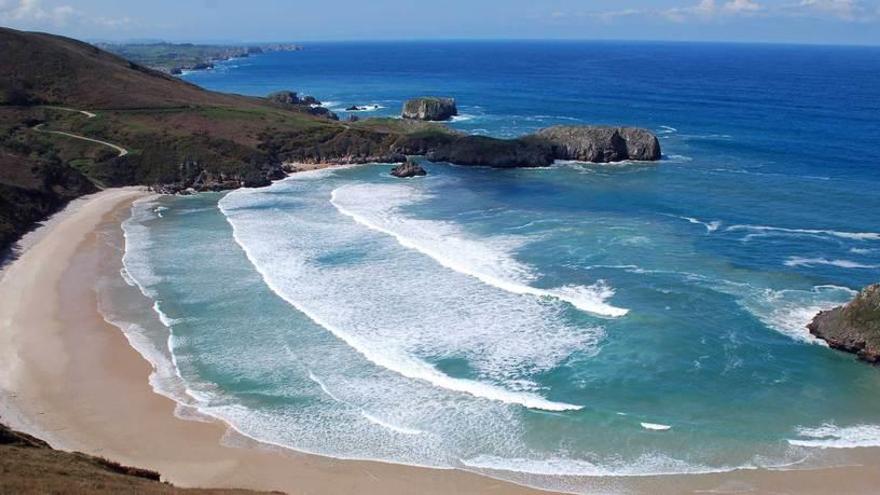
(540,324)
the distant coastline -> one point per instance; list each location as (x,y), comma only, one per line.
(175,58)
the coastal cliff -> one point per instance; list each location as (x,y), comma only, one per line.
(598,144)
(853,327)
(593,144)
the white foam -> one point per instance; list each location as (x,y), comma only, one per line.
(646,465)
(830,436)
(765,229)
(367,304)
(808,262)
(789,311)
(711,226)
(862,250)
(665,129)
(372,107)
(399,429)
(655,426)
(462,117)
(378,207)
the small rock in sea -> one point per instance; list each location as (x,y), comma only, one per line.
(408,169)
(354,108)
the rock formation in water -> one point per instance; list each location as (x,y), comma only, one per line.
(408,169)
(853,327)
(598,144)
(582,143)
(429,108)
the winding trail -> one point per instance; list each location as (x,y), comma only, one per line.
(122,151)
(66,109)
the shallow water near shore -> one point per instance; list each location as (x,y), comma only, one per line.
(539,325)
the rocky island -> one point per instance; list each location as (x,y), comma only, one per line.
(853,327)
(432,108)
(409,169)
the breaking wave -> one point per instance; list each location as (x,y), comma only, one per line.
(379,207)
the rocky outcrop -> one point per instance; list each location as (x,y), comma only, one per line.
(284,98)
(429,108)
(599,144)
(408,169)
(308,104)
(322,112)
(492,152)
(854,327)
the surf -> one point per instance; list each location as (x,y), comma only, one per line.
(377,207)
(384,336)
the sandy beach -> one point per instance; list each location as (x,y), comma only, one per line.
(71,378)
(68,376)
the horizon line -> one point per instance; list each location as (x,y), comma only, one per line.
(219,42)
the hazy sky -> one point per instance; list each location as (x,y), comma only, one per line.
(810,21)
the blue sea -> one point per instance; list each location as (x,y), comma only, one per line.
(544,325)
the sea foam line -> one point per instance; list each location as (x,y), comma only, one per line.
(830,436)
(710,226)
(589,299)
(861,236)
(798,261)
(402,364)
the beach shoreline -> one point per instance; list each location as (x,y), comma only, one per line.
(72,378)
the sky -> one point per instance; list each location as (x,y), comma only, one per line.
(779,21)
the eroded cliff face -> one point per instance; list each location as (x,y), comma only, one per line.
(853,327)
(582,143)
(600,144)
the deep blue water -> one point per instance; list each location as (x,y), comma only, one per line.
(576,320)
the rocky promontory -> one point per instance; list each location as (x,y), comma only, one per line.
(853,327)
(600,144)
(594,144)
(429,108)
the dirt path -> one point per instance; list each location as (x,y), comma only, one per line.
(122,151)
(84,112)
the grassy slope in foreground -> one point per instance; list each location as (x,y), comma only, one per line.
(29,465)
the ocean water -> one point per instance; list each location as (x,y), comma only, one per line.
(542,325)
